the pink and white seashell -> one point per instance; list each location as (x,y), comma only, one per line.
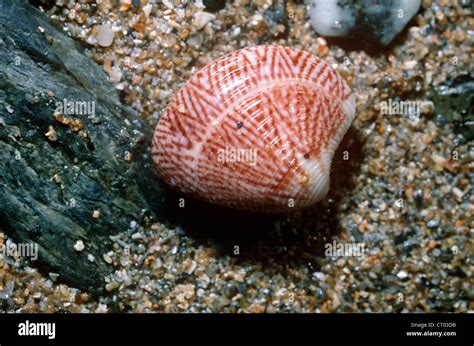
(255,130)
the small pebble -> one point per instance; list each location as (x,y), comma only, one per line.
(201,19)
(53,276)
(136,3)
(458,193)
(433,223)
(147,10)
(51,134)
(409,65)
(105,35)
(79,246)
(107,259)
(9,108)
(169,4)
(402,275)
(427,107)
(319,276)
(112,286)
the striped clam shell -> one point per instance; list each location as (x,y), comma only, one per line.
(255,130)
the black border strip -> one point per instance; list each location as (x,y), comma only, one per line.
(330,329)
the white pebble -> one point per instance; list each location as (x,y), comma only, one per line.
(402,274)
(108,259)
(328,19)
(320,276)
(191,268)
(202,18)
(105,35)
(79,246)
(168,4)
(102,308)
(409,65)
(458,193)
(235,32)
(115,75)
(9,108)
(147,10)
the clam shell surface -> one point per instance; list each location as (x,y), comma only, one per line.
(255,130)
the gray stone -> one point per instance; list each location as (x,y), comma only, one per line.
(368,20)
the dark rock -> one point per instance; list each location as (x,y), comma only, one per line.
(454,103)
(418,195)
(457,271)
(230,290)
(214,5)
(136,3)
(44,4)
(50,186)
